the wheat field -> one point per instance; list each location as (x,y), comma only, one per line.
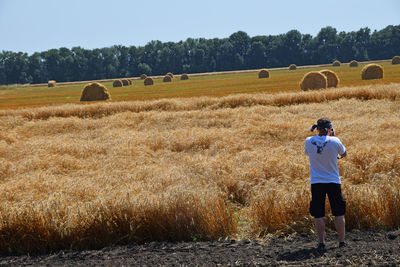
(86,176)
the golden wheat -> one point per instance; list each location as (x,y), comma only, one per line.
(390,92)
(86,176)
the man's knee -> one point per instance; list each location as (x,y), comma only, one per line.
(339,207)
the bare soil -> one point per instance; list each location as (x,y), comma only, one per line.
(372,247)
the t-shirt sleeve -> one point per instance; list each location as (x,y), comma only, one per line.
(340,146)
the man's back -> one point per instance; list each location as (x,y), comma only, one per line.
(323,152)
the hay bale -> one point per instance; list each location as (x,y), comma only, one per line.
(129,81)
(125,82)
(353,63)
(148,81)
(95,92)
(263,73)
(143,76)
(167,79)
(336,63)
(184,77)
(170,74)
(292,67)
(117,83)
(51,83)
(313,80)
(331,76)
(372,71)
(396,60)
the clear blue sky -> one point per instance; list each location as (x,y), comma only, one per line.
(39,25)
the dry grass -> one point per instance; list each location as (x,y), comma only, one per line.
(85,176)
(148,81)
(332,78)
(372,71)
(167,78)
(314,80)
(51,83)
(118,83)
(353,63)
(95,92)
(390,92)
(263,73)
(396,60)
(125,82)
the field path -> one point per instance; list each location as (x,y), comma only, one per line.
(365,248)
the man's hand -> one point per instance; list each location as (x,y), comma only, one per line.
(343,155)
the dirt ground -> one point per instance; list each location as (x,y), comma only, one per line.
(374,248)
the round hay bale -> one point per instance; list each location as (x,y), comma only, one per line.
(117,83)
(130,81)
(313,80)
(263,73)
(95,92)
(292,67)
(167,79)
(148,81)
(143,76)
(170,74)
(51,83)
(372,71)
(125,82)
(331,76)
(353,63)
(396,60)
(184,77)
(336,63)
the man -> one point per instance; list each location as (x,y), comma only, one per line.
(323,150)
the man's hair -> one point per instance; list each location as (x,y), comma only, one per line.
(324,123)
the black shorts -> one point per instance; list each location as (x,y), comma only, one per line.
(336,200)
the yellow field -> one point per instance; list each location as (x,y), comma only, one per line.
(85,176)
(205,85)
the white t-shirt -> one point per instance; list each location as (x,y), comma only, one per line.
(323,152)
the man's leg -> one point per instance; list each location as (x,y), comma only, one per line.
(317,209)
(338,205)
(340,224)
(320,229)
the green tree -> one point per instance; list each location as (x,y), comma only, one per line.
(143,68)
(291,46)
(240,45)
(239,51)
(385,43)
(256,55)
(326,45)
(80,66)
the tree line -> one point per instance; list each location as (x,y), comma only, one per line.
(237,52)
